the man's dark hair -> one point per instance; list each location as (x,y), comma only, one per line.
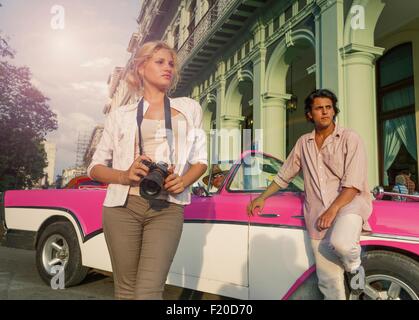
(320,93)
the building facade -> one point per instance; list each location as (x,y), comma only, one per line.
(251,63)
(91,148)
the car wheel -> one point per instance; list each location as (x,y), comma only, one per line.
(389,276)
(58,246)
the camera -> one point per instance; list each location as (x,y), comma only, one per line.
(151,184)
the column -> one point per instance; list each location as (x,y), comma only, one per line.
(274,124)
(329,24)
(229,137)
(360,97)
(259,75)
(220,109)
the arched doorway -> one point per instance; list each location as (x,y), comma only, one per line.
(237,121)
(246,91)
(300,82)
(209,125)
(290,77)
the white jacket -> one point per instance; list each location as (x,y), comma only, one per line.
(118,139)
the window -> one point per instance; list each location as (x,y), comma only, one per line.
(396,114)
(288,13)
(301,4)
(276,24)
(257,172)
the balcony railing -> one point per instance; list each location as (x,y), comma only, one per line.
(204,27)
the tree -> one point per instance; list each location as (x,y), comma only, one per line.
(25,119)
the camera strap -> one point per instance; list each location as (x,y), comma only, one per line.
(168,125)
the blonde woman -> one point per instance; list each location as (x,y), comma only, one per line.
(142,225)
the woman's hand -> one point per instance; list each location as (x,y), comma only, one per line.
(135,173)
(174,183)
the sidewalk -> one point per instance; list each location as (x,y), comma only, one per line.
(19,280)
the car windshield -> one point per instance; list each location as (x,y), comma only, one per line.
(256,173)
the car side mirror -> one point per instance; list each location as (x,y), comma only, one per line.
(200,191)
(378,193)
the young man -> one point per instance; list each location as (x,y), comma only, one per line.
(337,200)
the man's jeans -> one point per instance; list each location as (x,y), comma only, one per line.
(339,251)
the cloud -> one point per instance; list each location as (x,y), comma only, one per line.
(97,63)
(91,86)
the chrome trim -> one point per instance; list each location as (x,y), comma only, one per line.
(387,236)
(378,193)
(298,217)
(269,215)
(54,254)
(244,223)
(270,225)
(393,292)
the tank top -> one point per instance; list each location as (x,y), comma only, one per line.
(156,146)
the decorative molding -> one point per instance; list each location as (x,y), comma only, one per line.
(243,75)
(232,118)
(311,69)
(354,48)
(289,41)
(210,98)
(271,99)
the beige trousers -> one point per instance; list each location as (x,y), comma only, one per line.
(142,239)
(339,251)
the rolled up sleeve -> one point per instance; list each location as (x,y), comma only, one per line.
(355,164)
(104,149)
(290,168)
(198,152)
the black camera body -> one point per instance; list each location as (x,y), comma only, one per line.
(152,183)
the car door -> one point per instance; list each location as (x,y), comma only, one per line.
(279,247)
(213,250)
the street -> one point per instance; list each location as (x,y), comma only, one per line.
(19,280)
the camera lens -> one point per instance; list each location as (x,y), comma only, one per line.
(151,187)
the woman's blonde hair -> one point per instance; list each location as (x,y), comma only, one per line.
(134,79)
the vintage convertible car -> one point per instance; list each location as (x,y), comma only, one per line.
(222,250)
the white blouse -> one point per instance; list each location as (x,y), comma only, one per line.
(118,140)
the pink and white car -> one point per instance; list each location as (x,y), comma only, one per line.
(222,250)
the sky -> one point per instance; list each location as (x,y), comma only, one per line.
(71,47)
